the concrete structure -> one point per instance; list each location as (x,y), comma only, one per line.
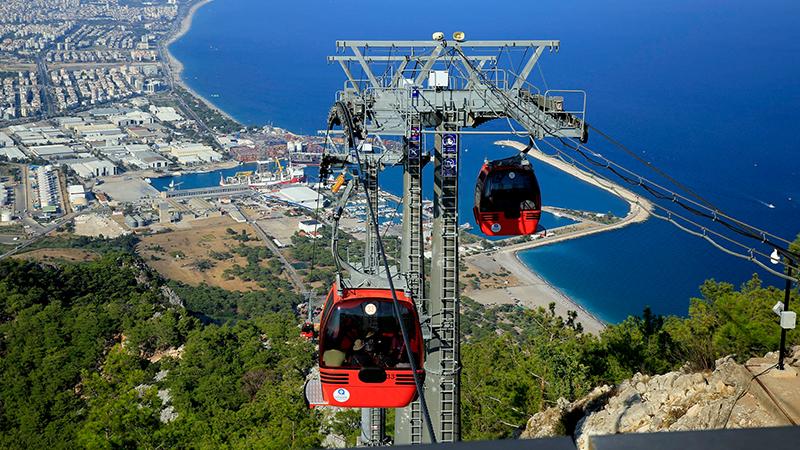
(13,153)
(192,153)
(166,214)
(5,140)
(309,227)
(46,186)
(93,167)
(233,211)
(300,196)
(165,113)
(217,191)
(135,221)
(56,151)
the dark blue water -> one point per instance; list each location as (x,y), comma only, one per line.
(706,90)
(198,180)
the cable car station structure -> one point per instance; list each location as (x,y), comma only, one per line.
(413,90)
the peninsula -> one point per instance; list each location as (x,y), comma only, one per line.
(524,286)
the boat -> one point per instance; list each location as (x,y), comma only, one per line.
(264,177)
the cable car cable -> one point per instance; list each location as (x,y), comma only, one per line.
(395,302)
(716,215)
(651,166)
(704,231)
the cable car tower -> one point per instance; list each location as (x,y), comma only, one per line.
(439,88)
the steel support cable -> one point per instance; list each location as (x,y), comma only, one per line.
(713,213)
(704,234)
(751,252)
(650,165)
(716,215)
(316,214)
(395,301)
(655,193)
(640,181)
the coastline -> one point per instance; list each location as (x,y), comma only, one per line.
(176,67)
(527,287)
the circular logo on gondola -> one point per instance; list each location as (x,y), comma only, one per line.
(512,175)
(370,309)
(495,227)
(341,395)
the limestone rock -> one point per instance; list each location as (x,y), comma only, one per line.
(673,401)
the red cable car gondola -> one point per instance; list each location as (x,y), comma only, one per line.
(508,201)
(363,362)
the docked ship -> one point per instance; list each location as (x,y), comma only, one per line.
(267,174)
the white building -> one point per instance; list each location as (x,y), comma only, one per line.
(13,153)
(311,228)
(5,140)
(191,153)
(133,118)
(165,113)
(46,185)
(77,195)
(53,151)
(147,160)
(92,168)
(300,196)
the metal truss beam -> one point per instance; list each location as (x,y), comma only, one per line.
(478,90)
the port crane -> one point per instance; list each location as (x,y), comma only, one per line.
(439,89)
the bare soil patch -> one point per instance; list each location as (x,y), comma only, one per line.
(178,254)
(59,255)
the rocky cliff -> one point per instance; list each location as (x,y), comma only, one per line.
(734,395)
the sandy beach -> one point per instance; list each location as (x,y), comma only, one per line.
(526,287)
(175,67)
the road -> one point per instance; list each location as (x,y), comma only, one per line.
(43,231)
(294,277)
(48,108)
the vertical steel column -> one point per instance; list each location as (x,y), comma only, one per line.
(372,262)
(442,366)
(408,421)
(373,420)
(373,427)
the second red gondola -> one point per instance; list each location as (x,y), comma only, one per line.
(508,200)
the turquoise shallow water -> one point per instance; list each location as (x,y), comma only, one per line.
(705,89)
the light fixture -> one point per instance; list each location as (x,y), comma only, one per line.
(459,36)
(438,36)
(775,257)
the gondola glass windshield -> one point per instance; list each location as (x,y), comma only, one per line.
(510,191)
(361,334)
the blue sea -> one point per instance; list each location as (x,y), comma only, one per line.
(706,90)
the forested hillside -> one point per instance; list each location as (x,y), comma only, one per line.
(107,354)
(83,364)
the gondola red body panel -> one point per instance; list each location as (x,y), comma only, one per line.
(508,201)
(363,361)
